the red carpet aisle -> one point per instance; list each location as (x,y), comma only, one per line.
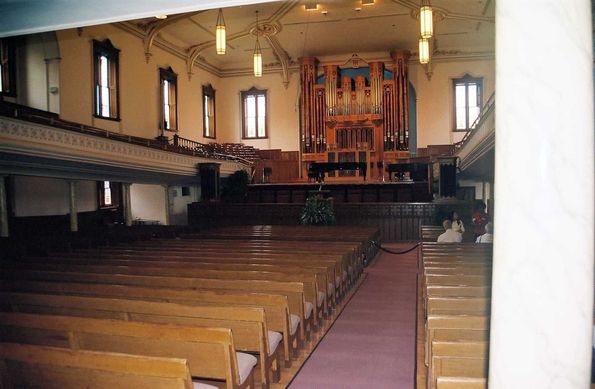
(372,343)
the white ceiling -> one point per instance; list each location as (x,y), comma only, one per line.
(287,30)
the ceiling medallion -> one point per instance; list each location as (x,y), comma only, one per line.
(266,29)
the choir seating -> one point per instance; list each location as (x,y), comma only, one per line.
(31,366)
(277,295)
(210,352)
(453,315)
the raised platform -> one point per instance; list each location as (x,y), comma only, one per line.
(364,192)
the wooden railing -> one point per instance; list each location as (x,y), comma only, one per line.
(396,221)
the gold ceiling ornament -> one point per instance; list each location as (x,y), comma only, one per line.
(257,53)
(426,19)
(220,33)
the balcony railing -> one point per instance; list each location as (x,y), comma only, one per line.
(176,144)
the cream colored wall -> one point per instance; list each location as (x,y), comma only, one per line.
(139,94)
(435,114)
(40,196)
(148,202)
(282,105)
(139,84)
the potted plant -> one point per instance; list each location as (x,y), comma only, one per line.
(317,212)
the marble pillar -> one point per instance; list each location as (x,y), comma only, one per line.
(542,286)
(3,208)
(126,203)
(74,223)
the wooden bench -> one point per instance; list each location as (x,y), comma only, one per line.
(248,324)
(310,282)
(294,291)
(210,352)
(29,366)
(275,306)
(215,264)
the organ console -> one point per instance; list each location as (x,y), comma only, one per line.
(354,115)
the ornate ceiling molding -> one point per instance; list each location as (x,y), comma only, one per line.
(443,13)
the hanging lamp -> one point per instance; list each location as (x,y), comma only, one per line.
(257,53)
(424,51)
(220,33)
(426,21)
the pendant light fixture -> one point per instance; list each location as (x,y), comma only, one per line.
(426,20)
(424,51)
(220,33)
(257,53)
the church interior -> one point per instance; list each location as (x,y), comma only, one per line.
(262,194)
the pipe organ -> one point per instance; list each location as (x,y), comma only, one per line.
(361,117)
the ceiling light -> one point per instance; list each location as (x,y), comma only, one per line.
(220,33)
(160,17)
(426,21)
(424,51)
(367,2)
(257,54)
(311,6)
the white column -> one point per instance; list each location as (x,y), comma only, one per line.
(167,204)
(3,209)
(74,223)
(127,205)
(542,288)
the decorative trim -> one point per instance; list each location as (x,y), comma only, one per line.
(18,137)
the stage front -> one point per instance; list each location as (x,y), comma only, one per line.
(366,192)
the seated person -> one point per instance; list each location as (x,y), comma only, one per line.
(488,237)
(457,224)
(480,218)
(449,235)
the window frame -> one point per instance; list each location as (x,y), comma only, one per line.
(114,188)
(105,48)
(466,80)
(209,91)
(255,92)
(172,78)
(8,59)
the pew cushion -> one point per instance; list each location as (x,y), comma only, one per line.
(200,385)
(321,297)
(246,363)
(274,340)
(309,309)
(295,322)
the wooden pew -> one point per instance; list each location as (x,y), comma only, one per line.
(461,383)
(210,352)
(248,324)
(310,282)
(275,306)
(318,271)
(458,359)
(292,290)
(29,366)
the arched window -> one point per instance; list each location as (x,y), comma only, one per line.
(106,80)
(468,99)
(254,114)
(208,119)
(169,97)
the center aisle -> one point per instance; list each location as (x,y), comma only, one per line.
(372,343)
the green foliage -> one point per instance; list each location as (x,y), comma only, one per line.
(317,212)
(235,187)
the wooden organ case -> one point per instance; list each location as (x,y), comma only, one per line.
(354,119)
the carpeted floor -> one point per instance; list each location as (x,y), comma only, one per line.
(372,343)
